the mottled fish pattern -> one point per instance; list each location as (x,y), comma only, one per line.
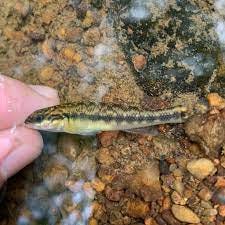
(88,117)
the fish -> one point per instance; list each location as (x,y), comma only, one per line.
(88,118)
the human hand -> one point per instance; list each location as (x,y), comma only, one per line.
(19,145)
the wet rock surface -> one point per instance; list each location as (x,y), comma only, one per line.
(178,41)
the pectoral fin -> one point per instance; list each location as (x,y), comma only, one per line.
(144,130)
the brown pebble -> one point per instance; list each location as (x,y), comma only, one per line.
(47,48)
(48,16)
(71,55)
(222,161)
(97,210)
(178,199)
(23,8)
(93,221)
(205,194)
(71,35)
(98,185)
(185,214)
(69,146)
(88,20)
(106,174)
(46,73)
(208,131)
(13,35)
(145,182)
(137,208)
(150,221)
(113,195)
(139,62)
(222,210)
(108,137)
(166,203)
(169,218)
(216,101)
(55,176)
(105,157)
(220,182)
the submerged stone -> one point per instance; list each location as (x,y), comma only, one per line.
(180,41)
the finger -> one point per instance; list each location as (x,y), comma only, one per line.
(18,148)
(18,100)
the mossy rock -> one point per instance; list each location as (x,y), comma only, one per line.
(179,41)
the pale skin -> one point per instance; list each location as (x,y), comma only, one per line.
(19,146)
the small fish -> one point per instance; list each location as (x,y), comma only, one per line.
(86,118)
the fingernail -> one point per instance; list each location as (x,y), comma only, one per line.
(47,92)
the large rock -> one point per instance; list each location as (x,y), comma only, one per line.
(179,41)
(207,130)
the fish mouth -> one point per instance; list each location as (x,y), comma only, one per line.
(31,125)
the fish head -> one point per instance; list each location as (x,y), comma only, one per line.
(48,119)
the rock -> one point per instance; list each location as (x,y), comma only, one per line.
(184,214)
(150,221)
(178,186)
(112,194)
(55,176)
(178,199)
(166,204)
(216,101)
(210,212)
(220,182)
(107,138)
(145,182)
(88,190)
(139,62)
(104,157)
(222,160)
(23,8)
(88,20)
(219,196)
(207,130)
(73,34)
(93,221)
(164,146)
(136,208)
(222,210)
(181,56)
(169,218)
(91,37)
(200,168)
(69,146)
(205,194)
(71,55)
(48,48)
(98,185)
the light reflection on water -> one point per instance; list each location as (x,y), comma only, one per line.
(71,205)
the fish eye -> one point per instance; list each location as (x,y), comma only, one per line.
(38,118)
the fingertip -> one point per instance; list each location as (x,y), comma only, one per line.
(18,100)
(47,92)
(28,149)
